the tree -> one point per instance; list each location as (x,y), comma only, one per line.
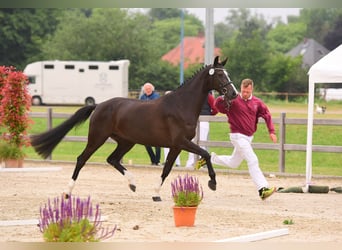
(334,37)
(112,34)
(164,13)
(284,37)
(166,28)
(235,21)
(247,53)
(285,74)
(22,32)
(162,74)
(319,21)
(108,34)
(222,34)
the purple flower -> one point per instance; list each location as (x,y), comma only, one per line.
(186,191)
(72,220)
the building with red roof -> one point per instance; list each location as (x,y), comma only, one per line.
(194,51)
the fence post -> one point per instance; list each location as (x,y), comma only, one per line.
(49,125)
(197,139)
(282,136)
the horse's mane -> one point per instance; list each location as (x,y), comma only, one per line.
(190,78)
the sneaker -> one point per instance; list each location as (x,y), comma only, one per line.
(213,157)
(266,192)
(200,163)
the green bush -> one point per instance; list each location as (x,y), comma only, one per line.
(10,151)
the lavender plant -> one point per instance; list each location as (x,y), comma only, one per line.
(72,220)
(186,191)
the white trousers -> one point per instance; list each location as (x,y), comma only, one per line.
(242,151)
(166,151)
(204,132)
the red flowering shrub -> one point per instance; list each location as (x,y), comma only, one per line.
(15,103)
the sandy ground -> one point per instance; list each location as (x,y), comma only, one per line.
(233,210)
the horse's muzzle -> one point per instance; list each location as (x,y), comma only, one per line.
(229,92)
(235,92)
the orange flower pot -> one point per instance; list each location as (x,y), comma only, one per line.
(13,163)
(184,216)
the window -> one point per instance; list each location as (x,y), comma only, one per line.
(32,79)
(93,67)
(49,66)
(113,67)
(69,66)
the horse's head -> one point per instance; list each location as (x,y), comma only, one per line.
(220,80)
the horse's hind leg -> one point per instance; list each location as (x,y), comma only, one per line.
(194,148)
(91,147)
(114,159)
(171,157)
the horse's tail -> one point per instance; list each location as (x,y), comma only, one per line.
(44,143)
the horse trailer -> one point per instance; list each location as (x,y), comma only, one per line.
(76,82)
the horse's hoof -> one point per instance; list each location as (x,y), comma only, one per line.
(66,196)
(212,185)
(132,187)
(156,198)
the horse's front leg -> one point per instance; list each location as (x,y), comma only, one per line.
(81,160)
(194,148)
(156,196)
(129,176)
(171,157)
(212,182)
(115,158)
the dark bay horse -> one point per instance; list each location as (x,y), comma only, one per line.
(169,121)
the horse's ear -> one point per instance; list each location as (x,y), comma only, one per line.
(224,62)
(216,61)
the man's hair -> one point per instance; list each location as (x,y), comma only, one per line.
(148,84)
(246,82)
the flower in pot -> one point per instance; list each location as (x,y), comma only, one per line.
(11,154)
(187,194)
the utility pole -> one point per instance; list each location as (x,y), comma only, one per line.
(181,64)
(209,36)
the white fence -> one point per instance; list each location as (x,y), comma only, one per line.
(281,146)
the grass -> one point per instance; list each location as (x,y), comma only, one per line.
(323,163)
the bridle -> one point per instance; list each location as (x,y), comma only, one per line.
(223,86)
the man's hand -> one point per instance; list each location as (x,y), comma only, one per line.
(273,138)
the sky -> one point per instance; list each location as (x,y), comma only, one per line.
(268,13)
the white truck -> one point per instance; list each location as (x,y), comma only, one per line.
(76,82)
